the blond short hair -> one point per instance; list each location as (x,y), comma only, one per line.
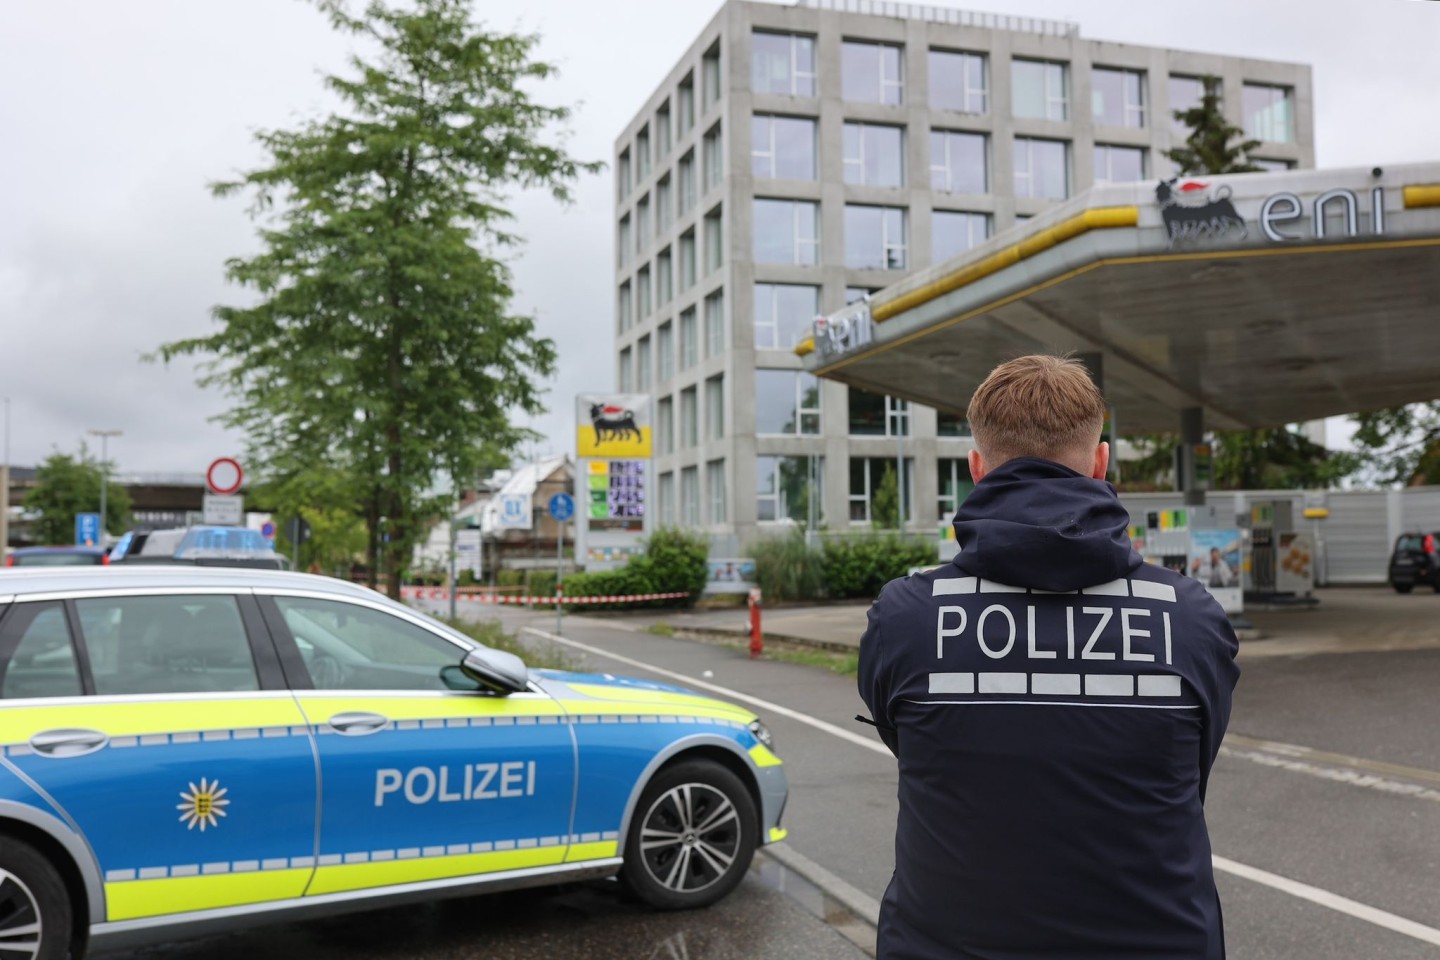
(1037,406)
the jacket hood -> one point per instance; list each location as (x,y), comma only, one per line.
(1035,523)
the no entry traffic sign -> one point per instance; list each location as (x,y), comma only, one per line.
(224,476)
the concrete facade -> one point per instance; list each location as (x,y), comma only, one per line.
(725,445)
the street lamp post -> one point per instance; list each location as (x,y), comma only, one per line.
(104,436)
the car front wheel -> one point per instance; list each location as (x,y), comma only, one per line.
(694,833)
(1403,587)
(35,917)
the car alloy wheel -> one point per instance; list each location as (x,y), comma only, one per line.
(35,917)
(20,921)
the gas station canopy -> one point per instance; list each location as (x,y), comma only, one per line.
(1261,299)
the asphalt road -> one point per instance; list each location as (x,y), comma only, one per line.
(1356,826)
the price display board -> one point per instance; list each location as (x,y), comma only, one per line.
(617,494)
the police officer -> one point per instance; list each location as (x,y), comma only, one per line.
(1055,705)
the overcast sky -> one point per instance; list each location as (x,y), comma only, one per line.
(115,116)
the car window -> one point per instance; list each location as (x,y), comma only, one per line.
(166,644)
(1408,543)
(38,655)
(57,559)
(349,647)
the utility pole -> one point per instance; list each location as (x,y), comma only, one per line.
(104,436)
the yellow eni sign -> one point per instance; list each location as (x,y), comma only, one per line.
(613,426)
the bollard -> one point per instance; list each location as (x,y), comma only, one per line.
(757,643)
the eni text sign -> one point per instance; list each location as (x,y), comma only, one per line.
(613,446)
(614,426)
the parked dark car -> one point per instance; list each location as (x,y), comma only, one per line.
(57,557)
(1415,561)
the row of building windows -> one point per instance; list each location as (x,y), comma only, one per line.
(673,198)
(634,163)
(793,488)
(636,368)
(686,509)
(874,72)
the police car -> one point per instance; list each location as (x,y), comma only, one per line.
(187,749)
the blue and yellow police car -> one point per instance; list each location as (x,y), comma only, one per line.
(187,749)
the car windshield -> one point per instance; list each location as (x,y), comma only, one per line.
(1409,542)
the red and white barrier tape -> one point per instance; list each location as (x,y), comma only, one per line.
(440,593)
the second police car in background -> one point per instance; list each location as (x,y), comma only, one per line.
(186,749)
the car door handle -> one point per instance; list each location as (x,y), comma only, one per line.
(358,723)
(68,742)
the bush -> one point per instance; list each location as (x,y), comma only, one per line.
(509,578)
(860,566)
(786,568)
(540,583)
(673,562)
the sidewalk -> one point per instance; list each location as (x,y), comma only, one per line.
(1347,620)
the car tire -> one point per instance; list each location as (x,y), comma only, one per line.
(36,918)
(1403,587)
(692,837)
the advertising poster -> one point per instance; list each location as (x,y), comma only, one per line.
(1215,561)
(613,435)
(732,575)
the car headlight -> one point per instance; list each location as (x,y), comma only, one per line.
(762,733)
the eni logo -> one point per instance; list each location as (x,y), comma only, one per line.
(202,806)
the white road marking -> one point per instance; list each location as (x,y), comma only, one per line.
(1334,901)
(1337,774)
(726,692)
(1304,891)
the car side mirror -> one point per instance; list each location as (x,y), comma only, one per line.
(495,670)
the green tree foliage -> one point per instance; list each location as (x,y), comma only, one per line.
(66,486)
(1208,148)
(885,502)
(1401,444)
(786,568)
(1277,459)
(382,346)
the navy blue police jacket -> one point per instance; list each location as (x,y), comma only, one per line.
(1055,705)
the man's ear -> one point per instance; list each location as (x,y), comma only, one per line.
(1101,467)
(977,466)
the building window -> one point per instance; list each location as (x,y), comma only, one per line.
(877,415)
(790,488)
(687,182)
(715,408)
(1272,166)
(954,486)
(782,63)
(665,494)
(787,231)
(1119,164)
(958,81)
(1186,93)
(687,260)
(644,378)
(642,154)
(1269,113)
(714,158)
(710,76)
(664,278)
(662,130)
(664,206)
(874,155)
(871,73)
(689,418)
(953,232)
(627,372)
(685,105)
(642,283)
(642,223)
(1042,168)
(787,403)
(689,336)
(866,475)
(690,497)
(715,324)
(855,294)
(958,162)
(622,174)
(782,148)
(951,425)
(665,425)
(715,488)
(1040,90)
(874,238)
(626,308)
(1117,97)
(714,241)
(784,314)
(623,242)
(664,352)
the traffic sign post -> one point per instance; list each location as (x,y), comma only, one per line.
(87,530)
(562,508)
(224,477)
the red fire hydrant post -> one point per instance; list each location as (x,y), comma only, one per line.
(757,642)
